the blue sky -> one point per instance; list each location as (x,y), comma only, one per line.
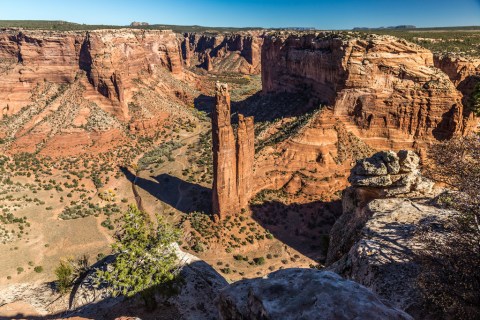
(334,14)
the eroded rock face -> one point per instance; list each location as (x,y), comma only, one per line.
(384,175)
(232,158)
(225,195)
(465,74)
(375,241)
(112,59)
(245,157)
(302,294)
(387,88)
(239,52)
(457,68)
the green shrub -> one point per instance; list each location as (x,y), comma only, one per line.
(259,261)
(65,276)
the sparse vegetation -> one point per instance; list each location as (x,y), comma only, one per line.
(451,282)
(145,259)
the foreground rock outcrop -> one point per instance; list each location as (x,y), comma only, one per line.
(232,158)
(302,294)
(376,241)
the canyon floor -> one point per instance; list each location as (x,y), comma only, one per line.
(65,207)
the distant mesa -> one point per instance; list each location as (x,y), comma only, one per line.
(403,26)
(139,24)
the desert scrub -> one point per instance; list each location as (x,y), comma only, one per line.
(85,209)
(38,269)
(159,154)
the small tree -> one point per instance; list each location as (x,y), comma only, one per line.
(456,163)
(451,280)
(145,258)
(475,100)
(65,276)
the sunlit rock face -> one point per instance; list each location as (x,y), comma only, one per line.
(385,87)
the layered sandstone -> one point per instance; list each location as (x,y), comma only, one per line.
(458,68)
(112,60)
(465,74)
(385,88)
(232,158)
(371,93)
(239,52)
(225,194)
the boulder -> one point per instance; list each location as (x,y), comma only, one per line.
(201,285)
(409,160)
(302,294)
(396,173)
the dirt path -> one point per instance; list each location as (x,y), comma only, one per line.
(181,163)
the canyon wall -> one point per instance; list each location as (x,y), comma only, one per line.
(376,92)
(458,68)
(239,52)
(387,87)
(464,72)
(232,158)
(111,59)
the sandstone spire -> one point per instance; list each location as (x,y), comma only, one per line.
(232,160)
(245,157)
(225,196)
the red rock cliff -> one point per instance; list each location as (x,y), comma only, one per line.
(388,88)
(377,93)
(465,74)
(112,59)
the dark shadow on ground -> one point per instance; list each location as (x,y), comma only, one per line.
(181,195)
(304,227)
(264,107)
(204,103)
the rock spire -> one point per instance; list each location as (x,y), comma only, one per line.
(232,158)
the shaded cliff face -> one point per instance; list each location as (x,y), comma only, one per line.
(457,68)
(383,85)
(465,74)
(224,52)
